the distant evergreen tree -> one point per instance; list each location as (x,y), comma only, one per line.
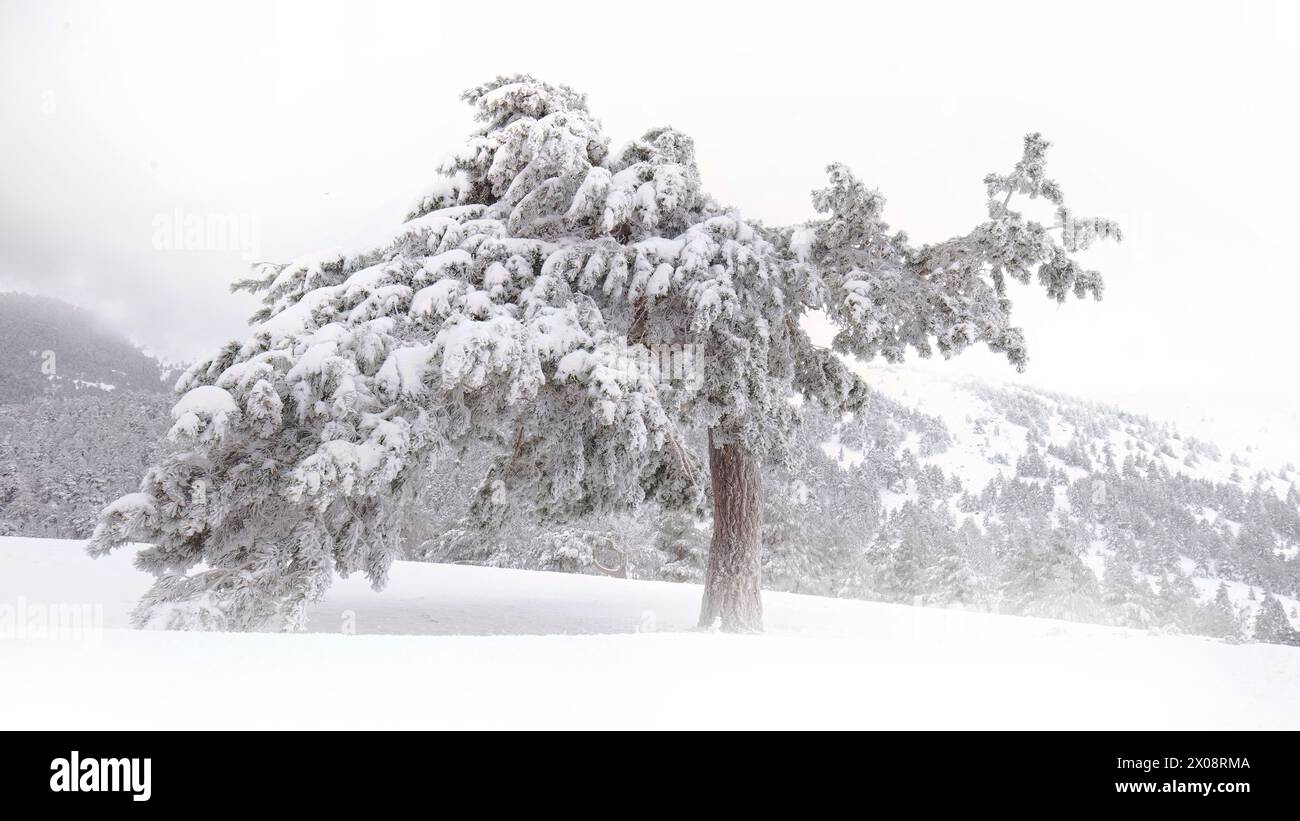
(1271,624)
(978,550)
(1051,581)
(898,560)
(952,582)
(1129,599)
(1176,601)
(1032,464)
(1223,619)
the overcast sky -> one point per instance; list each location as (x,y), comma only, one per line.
(317,122)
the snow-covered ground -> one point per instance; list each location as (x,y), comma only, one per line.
(466,647)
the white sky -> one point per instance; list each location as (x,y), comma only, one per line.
(319,121)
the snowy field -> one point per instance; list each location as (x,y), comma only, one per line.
(467,647)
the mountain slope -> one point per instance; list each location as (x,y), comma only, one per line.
(467,647)
(48,346)
(82,415)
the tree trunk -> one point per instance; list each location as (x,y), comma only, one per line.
(733,578)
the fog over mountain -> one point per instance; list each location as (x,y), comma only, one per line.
(49,347)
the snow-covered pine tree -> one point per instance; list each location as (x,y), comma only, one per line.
(1223,620)
(1272,625)
(683,546)
(503,311)
(900,557)
(952,582)
(1051,581)
(1129,598)
(1177,602)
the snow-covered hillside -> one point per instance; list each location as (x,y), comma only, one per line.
(1169,491)
(49,348)
(449,646)
(992,423)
